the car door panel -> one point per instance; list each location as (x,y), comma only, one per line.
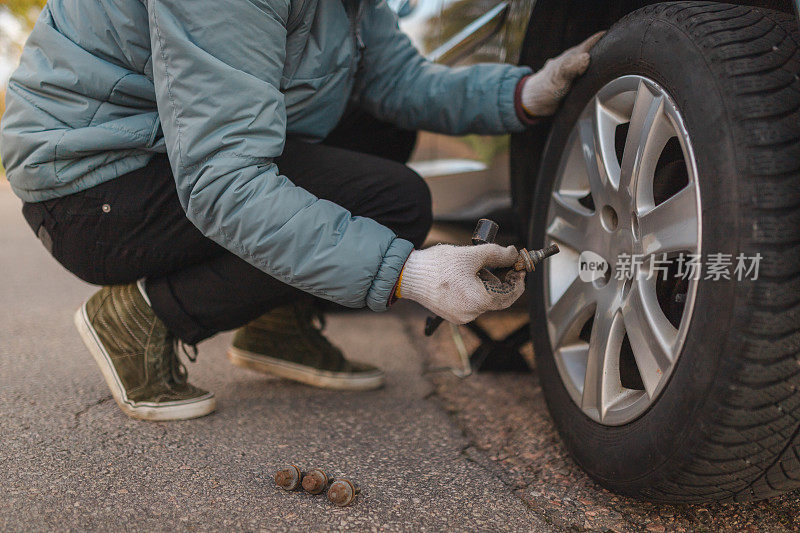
(468,175)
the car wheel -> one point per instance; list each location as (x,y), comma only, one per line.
(680,146)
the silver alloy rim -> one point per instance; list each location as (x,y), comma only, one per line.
(603,201)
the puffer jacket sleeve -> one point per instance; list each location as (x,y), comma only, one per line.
(224,121)
(400,86)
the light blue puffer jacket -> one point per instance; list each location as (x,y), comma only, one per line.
(103,85)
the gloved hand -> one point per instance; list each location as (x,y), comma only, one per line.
(444,279)
(544,90)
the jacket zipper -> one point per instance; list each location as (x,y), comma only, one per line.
(358,40)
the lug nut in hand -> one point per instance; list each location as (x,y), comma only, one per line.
(485,233)
(528,260)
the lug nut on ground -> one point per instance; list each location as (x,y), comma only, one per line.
(316,481)
(343,492)
(289,478)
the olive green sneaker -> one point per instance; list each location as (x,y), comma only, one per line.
(288,342)
(137,356)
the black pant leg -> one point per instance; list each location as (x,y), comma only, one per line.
(122,230)
(364,184)
(361,132)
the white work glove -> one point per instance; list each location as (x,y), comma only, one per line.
(445,279)
(543,91)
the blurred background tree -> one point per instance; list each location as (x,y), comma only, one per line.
(24,9)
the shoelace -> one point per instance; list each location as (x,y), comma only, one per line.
(190,356)
(179,373)
(313,320)
(177,370)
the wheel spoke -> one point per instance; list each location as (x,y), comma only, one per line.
(672,225)
(606,122)
(651,334)
(601,386)
(596,169)
(570,222)
(648,133)
(573,358)
(572,307)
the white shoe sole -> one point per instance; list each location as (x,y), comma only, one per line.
(310,376)
(179,410)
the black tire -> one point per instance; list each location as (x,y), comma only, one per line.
(726,427)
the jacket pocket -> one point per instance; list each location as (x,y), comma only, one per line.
(296,90)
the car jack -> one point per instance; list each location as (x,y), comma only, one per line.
(493,355)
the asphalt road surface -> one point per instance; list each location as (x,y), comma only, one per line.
(430,452)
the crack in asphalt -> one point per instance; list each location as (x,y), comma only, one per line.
(77,415)
(470,451)
(476,456)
